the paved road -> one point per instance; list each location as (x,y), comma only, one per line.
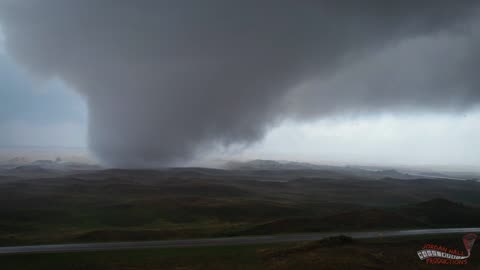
(221,241)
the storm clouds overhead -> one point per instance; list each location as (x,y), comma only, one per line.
(165,81)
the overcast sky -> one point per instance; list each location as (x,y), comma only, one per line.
(37,112)
(154,83)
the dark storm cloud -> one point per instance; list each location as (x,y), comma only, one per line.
(166,79)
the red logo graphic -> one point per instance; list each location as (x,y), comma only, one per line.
(434,254)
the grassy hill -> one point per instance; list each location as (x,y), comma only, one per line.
(329,254)
(434,213)
(113,205)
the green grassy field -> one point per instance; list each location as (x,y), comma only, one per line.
(390,253)
(121,205)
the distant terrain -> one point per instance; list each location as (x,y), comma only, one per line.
(58,202)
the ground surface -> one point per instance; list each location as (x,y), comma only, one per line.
(139,205)
(336,253)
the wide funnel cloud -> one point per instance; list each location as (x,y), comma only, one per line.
(165,80)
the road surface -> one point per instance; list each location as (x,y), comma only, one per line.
(221,241)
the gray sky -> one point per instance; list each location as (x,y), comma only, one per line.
(37,112)
(153,83)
